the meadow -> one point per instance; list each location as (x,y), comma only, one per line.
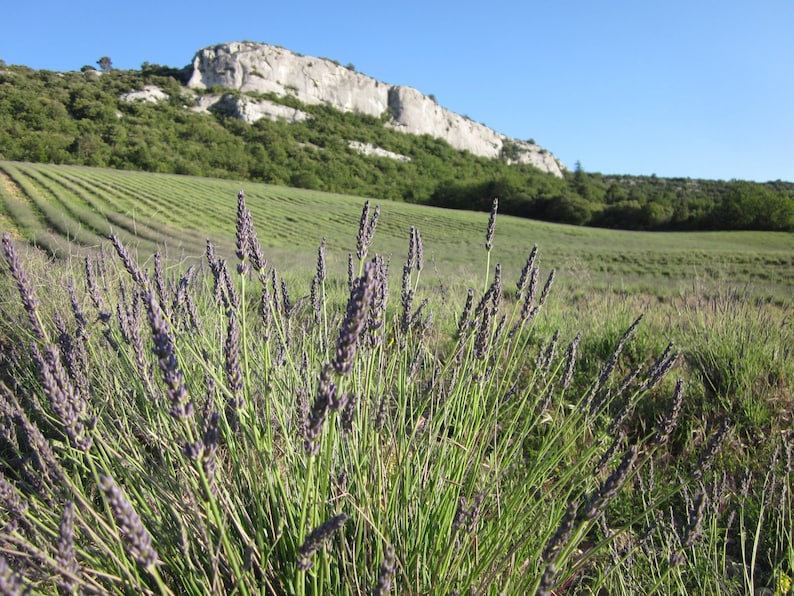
(288,391)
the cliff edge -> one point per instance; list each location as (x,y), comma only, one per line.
(263,68)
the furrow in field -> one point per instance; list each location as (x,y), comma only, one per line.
(111,210)
(91,225)
(144,215)
(55,215)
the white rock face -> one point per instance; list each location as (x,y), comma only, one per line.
(150,94)
(370,149)
(270,69)
(418,114)
(254,67)
(248,109)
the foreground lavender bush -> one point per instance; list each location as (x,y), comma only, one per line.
(211,437)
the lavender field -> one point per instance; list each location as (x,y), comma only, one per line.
(287,392)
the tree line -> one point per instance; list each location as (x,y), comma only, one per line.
(79,118)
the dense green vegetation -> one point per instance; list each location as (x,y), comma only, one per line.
(78,118)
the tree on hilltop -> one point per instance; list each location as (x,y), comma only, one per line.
(105,64)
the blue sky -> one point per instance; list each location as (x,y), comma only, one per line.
(693,88)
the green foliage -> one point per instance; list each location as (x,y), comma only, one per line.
(105,64)
(78,118)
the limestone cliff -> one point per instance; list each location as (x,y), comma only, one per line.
(255,67)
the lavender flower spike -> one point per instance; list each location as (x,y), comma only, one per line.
(25,287)
(386,573)
(355,319)
(489,234)
(66,555)
(317,538)
(181,407)
(136,539)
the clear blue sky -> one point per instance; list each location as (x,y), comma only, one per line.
(695,88)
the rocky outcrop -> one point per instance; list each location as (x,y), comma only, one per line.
(262,68)
(370,149)
(149,94)
(248,109)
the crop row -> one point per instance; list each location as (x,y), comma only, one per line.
(65,208)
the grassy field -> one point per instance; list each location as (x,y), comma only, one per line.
(62,209)
(397,410)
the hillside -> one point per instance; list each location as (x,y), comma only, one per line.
(151,120)
(66,210)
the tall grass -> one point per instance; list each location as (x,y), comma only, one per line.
(232,428)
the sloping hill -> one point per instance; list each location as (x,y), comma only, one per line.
(68,209)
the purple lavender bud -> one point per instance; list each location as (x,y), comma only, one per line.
(483,338)
(612,362)
(570,361)
(326,395)
(69,407)
(666,427)
(315,540)
(181,406)
(544,294)
(386,573)
(361,239)
(411,260)
(557,542)
(420,251)
(660,368)
(255,253)
(463,322)
(211,441)
(93,291)
(66,555)
(159,283)
(380,296)
(242,234)
(286,303)
(348,412)
(355,319)
(711,450)
(48,472)
(136,539)
(489,234)
(129,263)
(231,298)
(525,272)
(247,240)
(14,506)
(322,272)
(366,231)
(406,299)
(212,261)
(314,298)
(607,456)
(350,273)
(25,288)
(372,225)
(234,374)
(597,502)
(11,583)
